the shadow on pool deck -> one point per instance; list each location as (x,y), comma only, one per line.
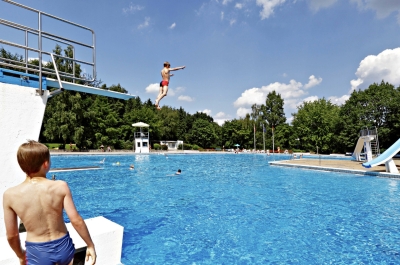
(346,166)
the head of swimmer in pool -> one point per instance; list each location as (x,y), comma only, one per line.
(34,158)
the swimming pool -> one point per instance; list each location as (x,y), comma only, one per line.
(236,209)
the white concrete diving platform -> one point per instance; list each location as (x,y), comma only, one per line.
(106,235)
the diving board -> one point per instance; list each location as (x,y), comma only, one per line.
(29,80)
(87,89)
(386,158)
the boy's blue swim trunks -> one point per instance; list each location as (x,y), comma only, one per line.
(60,251)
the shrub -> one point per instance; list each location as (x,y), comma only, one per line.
(157,146)
(195,147)
(128,145)
(164,147)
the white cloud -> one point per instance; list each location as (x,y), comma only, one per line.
(201,9)
(268,7)
(383,8)
(339,101)
(258,95)
(179,89)
(375,68)
(221,117)
(310,99)
(153,88)
(225,2)
(313,81)
(241,112)
(145,24)
(172,26)
(185,98)
(292,93)
(284,74)
(300,102)
(239,6)
(206,111)
(232,21)
(316,5)
(132,8)
(222,15)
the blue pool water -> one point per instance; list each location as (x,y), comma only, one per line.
(236,209)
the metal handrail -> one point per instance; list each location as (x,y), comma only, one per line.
(46,35)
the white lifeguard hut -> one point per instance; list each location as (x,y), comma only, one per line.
(142,138)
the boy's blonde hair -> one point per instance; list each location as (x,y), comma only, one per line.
(31,156)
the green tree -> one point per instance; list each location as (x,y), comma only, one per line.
(315,124)
(203,133)
(10,58)
(377,106)
(273,110)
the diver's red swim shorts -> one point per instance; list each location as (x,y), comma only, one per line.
(164,83)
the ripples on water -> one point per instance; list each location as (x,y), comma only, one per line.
(236,209)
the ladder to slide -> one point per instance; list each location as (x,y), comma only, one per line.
(375,142)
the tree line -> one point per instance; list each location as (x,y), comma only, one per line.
(90,121)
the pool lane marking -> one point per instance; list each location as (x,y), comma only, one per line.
(73,169)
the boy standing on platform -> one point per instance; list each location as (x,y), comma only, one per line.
(39,203)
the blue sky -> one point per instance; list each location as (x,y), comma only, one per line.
(235,52)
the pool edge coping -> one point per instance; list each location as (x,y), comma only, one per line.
(285,163)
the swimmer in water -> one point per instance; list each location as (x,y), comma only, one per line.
(178,172)
(132,167)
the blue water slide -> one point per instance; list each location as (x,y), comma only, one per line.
(385,157)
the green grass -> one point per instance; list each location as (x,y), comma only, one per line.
(52,145)
(57,145)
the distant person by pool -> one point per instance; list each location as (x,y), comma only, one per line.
(178,172)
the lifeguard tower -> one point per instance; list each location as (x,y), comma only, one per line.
(25,89)
(142,138)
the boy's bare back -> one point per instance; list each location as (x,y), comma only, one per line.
(40,208)
(39,203)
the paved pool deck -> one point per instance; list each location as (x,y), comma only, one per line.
(336,165)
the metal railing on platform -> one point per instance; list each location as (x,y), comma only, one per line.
(41,35)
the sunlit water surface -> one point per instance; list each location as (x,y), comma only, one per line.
(236,209)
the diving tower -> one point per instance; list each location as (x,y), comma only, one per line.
(25,89)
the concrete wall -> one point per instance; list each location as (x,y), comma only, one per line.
(21,116)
